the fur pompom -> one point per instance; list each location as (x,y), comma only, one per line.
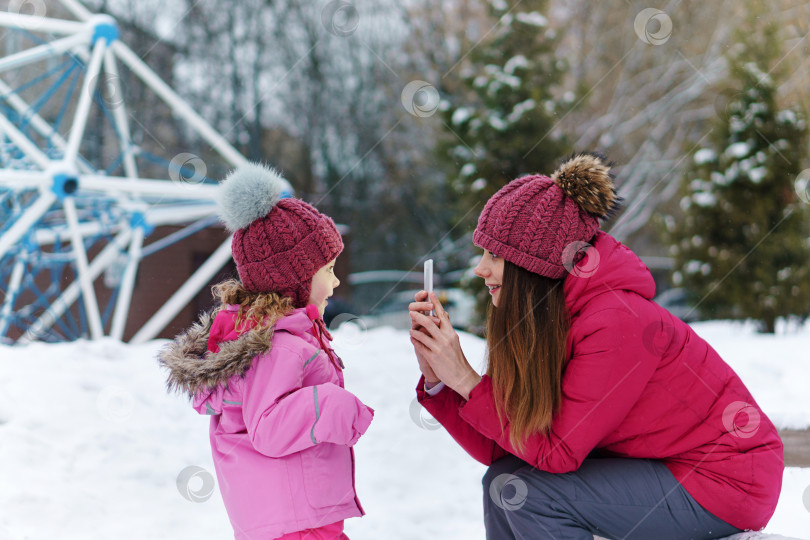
(586,178)
(249,193)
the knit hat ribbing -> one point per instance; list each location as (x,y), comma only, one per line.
(279,242)
(532,220)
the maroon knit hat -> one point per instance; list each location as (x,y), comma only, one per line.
(534,221)
(279,242)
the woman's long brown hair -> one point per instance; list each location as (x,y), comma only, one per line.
(526,337)
(263,310)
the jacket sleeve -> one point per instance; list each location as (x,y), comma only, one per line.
(604,378)
(444,407)
(282,417)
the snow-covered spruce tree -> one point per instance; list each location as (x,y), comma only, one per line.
(501,118)
(500,115)
(743,247)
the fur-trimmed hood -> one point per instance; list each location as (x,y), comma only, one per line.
(193,368)
(205,357)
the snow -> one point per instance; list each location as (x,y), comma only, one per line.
(497,122)
(500,78)
(519,109)
(480,81)
(91,445)
(468,169)
(756,175)
(763,79)
(460,115)
(704,199)
(532,18)
(786,116)
(736,124)
(738,150)
(704,155)
(718,178)
(518,61)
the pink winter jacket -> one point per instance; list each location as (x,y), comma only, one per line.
(639,383)
(282,424)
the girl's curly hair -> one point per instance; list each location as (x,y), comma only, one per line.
(262,309)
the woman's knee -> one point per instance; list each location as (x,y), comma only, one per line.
(506,465)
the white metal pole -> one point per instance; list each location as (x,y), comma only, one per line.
(37,122)
(28,218)
(41,24)
(80,256)
(45,237)
(39,52)
(179,214)
(21,179)
(184,294)
(178,105)
(24,143)
(140,186)
(120,115)
(85,99)
(165,215)
(127,284)
(105,258)
(11,295)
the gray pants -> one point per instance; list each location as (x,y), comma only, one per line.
(608,497)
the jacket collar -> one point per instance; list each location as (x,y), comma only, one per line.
(213,350)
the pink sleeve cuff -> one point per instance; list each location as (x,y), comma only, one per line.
(362,423)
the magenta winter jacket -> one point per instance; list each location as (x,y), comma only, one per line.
(639,383)
(282,424)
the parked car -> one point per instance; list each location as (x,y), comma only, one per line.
(393,311)
(676,301)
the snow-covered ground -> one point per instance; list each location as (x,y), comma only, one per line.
(92,447)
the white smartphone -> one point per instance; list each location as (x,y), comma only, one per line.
(429,283)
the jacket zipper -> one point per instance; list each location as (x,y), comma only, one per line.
(338,364)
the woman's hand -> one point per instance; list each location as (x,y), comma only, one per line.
(422,305)
(438,344)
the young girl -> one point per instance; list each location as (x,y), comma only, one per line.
(282,424)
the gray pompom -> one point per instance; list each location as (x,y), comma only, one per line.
(249,193)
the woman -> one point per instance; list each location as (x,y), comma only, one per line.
(599,413)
